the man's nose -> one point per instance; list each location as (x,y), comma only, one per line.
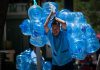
(55,28)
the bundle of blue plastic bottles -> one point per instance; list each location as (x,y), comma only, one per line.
(24,61)
(27,60)
(81,36)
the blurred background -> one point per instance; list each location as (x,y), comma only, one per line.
(13,42)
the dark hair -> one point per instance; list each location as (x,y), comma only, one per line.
(54,22)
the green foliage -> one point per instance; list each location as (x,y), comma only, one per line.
(91,10)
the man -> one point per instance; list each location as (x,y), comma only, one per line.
(61,57)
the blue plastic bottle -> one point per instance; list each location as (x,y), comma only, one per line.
(25,27)
(35,12)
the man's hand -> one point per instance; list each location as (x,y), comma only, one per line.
(62,22)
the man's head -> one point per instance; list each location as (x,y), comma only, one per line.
(55,28)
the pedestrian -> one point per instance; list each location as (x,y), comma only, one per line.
(57,35)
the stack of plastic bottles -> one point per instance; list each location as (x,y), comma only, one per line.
(81,36)
(27,60)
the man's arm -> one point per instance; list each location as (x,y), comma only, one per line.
(62,22)
(47,22)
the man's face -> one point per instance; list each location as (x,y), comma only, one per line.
(55,29)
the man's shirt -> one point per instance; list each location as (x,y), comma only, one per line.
(60,48)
